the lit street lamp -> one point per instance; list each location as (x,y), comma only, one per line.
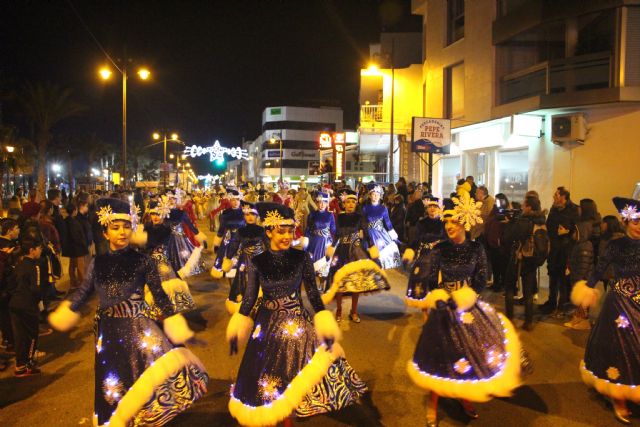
(172,137)
(274,140)
(105,74)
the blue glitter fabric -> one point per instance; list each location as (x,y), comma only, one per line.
(613,349)
(179,247)
(378,227)
(321,228)
(231,220)
(428,231)
(129,340)
(283,340)
(252,242)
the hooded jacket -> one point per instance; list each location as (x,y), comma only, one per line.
(581,255)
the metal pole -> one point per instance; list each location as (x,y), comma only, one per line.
(124,126)
(164,164)
(391,127)
(280,159)
(431,171)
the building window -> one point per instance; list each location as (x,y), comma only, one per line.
(454,91)
(450,167)
(513,169)
(455,20)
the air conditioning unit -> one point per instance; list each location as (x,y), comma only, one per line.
(568,128)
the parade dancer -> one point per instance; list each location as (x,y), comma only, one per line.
(180,249)
(466,349)
(221,203)
(380,230)
(226,242)
(429,232)
(352,270)
(321,228)
(611,361)
(143,375)
(252,242)
(291,363)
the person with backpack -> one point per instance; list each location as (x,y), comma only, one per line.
(528,241)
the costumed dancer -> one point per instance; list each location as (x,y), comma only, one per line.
(143,375)
(321,227)
(189,219)
(291,363)
(352,270)
(612,361)
(380,230)
(226,241)
(180,250)
(429,232)
(466,349)
(222,203)
(252,242)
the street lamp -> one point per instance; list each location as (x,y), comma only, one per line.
(173,137)
(105,73)
(274,140)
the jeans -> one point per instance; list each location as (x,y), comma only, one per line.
(529,282)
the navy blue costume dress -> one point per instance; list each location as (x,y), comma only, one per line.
(132,349)
(231,220)
(428,232)
(463,352)
(612,357)
(378,228)
(321,227)
(283,344)
(351,262)
(179,247)
(252,243)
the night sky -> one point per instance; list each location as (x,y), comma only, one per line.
(215,64)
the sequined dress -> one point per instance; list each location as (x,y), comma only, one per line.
(252,242)
(612,357)
(358,274)
(378,228)
(472,354)
(321,227)
(231,220)
(179,247)
(283,341)
(428,232)
(131,349)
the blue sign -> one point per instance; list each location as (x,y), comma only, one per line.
(430,135)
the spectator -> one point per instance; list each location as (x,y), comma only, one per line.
(471,180)
(54,196)
(494,229)
(9,249)
(47,226)
(562,219)
(83,218)
(75,247)
(580,266)
(482,195)
(611,230)
(415,211)
(397,214)
(401,188)
(15,209)
(589,212)
(31,208)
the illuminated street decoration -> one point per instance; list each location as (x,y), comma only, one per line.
(216,152)
(209,177)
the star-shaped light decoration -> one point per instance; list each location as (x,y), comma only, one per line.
(622,322)
(104,215)
(150,342)
(467,211)
(462,366)
(467,318)
(268,387)
(494,358)
(273,219)
(112,388)
(613,373)
(292,329)
(630,213)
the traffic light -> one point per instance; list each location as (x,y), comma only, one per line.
(219,162)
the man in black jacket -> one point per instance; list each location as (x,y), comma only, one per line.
(562,218)
(9,248)
(517,234)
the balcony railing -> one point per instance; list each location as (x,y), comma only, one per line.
(592,71)
(370,113)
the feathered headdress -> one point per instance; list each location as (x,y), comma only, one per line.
(465,210)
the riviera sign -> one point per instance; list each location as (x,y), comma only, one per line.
(216,152)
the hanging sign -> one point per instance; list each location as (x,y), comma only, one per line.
(217,152)
(430,135)
(339,159)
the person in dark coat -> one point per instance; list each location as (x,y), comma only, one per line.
(397,214)
(76,246)
(9,249)
(562,219)
(493,230)
(415,211)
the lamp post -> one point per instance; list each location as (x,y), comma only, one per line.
(105,74)
(173,137)
(273,140)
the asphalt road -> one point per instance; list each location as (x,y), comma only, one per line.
(378,349)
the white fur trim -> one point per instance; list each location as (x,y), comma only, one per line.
(374,253)
(608,388)
(432,298)
(304,242)
(232,307)
(240,326)
(501,384)
(465,298)
(153,377)
(393,234)
(172,286)
(408,255)
(217,240)
(191,263)
(217,274)
(279,409)
(329,251)
(138,237)
(177,330)
(64,318)
(583,295)
(227,264)
(201,237)
(326,326)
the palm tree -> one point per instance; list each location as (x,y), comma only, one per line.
(46,105)
(135,154)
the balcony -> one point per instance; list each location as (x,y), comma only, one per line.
(371,113)
(563,76)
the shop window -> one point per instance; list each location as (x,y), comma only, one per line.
(514,174)
(450,167)
(455,20)
(454,91)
